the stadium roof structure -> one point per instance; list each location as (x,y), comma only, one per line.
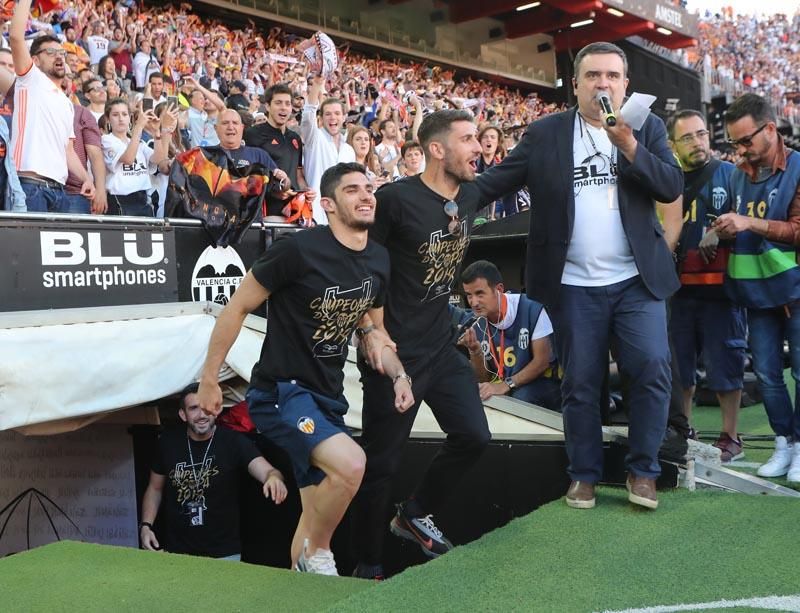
(575,23)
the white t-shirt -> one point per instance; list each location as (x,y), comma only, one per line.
(143,66)
(123,179)
(544,327)
(98,48)
(320,153)
(202,129)
(41,126)
(599,253)
(387,154)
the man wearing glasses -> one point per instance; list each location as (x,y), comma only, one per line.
(42,135)
(96,93)
(703,319)
(424,221)
(763,274)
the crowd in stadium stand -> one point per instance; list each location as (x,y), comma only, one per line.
(124,50)
(747,53)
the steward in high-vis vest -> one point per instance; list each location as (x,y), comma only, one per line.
(763,274)
(703,320)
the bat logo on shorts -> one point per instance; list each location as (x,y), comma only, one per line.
(305,424)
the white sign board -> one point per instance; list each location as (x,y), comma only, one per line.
(76,486)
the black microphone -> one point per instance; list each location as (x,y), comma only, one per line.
(605,106)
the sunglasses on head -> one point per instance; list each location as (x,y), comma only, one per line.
(745,141)
(451,210)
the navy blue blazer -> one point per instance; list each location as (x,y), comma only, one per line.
(544,162)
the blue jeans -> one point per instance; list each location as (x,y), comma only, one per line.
(75,203)
(768,329)
(40,198)
(586,322)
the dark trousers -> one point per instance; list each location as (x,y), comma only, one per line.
(448,386)
(677,418)
(586,322)
(137,204)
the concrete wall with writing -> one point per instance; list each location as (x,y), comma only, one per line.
(77,486)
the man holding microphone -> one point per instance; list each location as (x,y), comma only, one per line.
(598,261)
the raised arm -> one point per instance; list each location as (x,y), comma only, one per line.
(16,37)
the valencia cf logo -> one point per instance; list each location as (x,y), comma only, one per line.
(216,275)
(719,196)
(524,338)
(305,424)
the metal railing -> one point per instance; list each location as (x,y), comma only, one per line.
(126,220)
(723,83)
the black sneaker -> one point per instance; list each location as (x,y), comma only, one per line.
(674,447)
(422,531)
(373,572)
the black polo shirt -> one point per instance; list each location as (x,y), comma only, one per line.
(286,148)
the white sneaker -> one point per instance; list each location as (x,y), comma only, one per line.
(321,563)
(793,476)
(778,464)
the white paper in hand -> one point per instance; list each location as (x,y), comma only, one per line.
(636,109)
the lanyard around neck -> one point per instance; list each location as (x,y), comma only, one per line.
(205,455)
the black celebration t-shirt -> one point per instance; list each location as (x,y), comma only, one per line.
(425,257)
(319,289)
(201,495)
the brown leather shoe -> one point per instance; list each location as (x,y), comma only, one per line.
(642,491)
(580,495)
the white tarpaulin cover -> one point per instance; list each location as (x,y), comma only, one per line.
(60,371)
(62,368)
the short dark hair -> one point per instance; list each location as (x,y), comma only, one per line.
(156,75)
(328,102)
(482,269)
(600,47)
(333,176)
(88,85)
(384,123)
(753,105)
(37,43)
(5,50)
(408,146)
(278,88)
(439,123)
(189,389)
(683,114)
